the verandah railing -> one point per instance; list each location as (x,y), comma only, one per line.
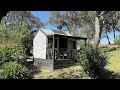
(62,54)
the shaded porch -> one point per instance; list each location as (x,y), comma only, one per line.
(62,47)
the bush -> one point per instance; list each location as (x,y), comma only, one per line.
(11,54)
(27,42)
(13,70)
(93,61)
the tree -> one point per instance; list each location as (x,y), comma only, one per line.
(88,32)
(73,20)
(27,42)
(18,19)
(16,30)
(101,22)
(65,19)
(111,23)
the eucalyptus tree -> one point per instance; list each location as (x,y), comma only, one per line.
(18,19)
(100,22)
(17,28)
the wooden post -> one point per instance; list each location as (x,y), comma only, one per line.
(53,48)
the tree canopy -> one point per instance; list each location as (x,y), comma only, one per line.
(92,24)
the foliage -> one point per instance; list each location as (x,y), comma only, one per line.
(11,54)
(87,31)
(81,45)
(13,70)
(10,45)
(27,42)
(93,61)
(70,20)
(84,22)
(20,38)
(16,29)
(16,19)
(117,40)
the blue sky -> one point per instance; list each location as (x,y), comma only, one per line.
(44,15)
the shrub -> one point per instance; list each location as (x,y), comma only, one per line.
(93,61)
(27,42)
(11,54)
(13,70)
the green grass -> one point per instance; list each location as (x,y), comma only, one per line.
(114,61)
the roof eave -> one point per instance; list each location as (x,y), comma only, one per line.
(68,36)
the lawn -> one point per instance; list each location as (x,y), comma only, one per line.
(114,61)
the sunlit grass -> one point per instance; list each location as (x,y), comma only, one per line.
(114,61)
(73,72)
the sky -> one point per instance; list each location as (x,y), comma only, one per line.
(44,16)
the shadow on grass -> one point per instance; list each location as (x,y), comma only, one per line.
(33,70)
(106,74)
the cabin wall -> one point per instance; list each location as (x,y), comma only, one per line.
(39,45)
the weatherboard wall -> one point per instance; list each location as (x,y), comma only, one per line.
(39,45)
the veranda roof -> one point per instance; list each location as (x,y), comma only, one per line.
(59,33)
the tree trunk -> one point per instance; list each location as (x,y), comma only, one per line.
(98,30)
(114,34)
(108,39)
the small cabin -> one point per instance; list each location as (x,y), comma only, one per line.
(54,48)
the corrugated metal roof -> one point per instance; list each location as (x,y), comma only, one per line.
(53,32)
(59,33)
(47,32)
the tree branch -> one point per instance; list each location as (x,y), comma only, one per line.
(101,13)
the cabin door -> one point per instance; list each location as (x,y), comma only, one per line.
(63,43)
